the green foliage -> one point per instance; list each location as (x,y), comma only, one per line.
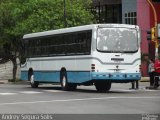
(27,16)
(19,17)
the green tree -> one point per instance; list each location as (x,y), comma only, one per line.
(19,17)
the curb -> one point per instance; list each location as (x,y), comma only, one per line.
(17,82)
(144,79)
(3,81)
(21,83)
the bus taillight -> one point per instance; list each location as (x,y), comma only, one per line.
(140,67)
(93,67)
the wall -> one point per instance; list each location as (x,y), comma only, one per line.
(152,24)
(128,6)
(143,20)
(157,7)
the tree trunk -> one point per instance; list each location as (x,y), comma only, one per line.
(14,68)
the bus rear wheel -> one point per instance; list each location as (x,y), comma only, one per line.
(64,83)
(102,86)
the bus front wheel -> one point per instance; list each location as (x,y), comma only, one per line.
(34,84)
(102,86)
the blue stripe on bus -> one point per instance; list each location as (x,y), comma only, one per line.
(54,76)
(80,76)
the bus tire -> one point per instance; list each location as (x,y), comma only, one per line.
(34,84)
(108,86)
(64,82)
(102,86)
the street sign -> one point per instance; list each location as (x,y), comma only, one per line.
(158,29)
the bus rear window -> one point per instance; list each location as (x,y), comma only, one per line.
(117,40)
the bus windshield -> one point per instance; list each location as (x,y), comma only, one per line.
(117,40)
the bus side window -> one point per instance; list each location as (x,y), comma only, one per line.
(68,44)
(73,44)
(31,47)
(52,46)
(88,41)
(37,48)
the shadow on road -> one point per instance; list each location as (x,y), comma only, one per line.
(80,90)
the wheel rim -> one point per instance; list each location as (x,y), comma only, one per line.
(64,81)
(32,79)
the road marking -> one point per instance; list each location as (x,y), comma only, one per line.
(58,91)
(8,93)
(133,90)
(30,92)
(84,99)
(120,90)
(54,91)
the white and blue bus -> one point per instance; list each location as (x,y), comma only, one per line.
(98,54)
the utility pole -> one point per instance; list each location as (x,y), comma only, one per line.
(99,11)
(155,26)
(65,16)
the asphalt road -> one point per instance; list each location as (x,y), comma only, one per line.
(50,99)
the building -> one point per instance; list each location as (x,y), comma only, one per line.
(136,12)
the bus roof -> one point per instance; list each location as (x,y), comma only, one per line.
(74,29)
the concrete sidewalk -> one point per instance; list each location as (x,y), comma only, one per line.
(3,81)
(144,79)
